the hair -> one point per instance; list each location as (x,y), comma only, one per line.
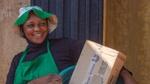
(21,31)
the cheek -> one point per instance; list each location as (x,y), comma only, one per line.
(43,29)
(30,31)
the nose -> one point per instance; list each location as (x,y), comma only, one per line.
(36,28)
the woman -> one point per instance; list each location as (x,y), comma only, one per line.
(43,58)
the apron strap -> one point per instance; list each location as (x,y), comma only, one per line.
(41,66)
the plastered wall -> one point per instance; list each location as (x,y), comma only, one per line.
(127,29)
(10,43)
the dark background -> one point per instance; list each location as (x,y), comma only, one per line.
(77,19)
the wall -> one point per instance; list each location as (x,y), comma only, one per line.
(10,42)
(127,29)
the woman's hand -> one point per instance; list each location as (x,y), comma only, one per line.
(50,79)
(127,77)
(56,80)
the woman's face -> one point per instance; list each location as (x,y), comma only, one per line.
(35,29)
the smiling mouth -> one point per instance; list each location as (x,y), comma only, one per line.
(38,35)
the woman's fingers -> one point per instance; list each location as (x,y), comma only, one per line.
(127,77)
(50,79)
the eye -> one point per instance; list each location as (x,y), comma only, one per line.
(30,25)
(43,24)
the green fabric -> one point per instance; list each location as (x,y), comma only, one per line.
(24,14)
(42,14)
(22,19)
(30,70)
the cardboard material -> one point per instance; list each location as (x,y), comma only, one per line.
(97,64)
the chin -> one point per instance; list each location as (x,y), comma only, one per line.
(38,41)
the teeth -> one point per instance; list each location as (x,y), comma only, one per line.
(38,35)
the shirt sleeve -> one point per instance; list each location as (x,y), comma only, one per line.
(12,69)
(75,49)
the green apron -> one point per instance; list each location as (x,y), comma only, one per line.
(43,65)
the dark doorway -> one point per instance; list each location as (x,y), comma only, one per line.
(78,19)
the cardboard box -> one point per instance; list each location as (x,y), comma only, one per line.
(97,64)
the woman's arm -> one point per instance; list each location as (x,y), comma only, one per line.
(12,69)
(127,77)
(76,47)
